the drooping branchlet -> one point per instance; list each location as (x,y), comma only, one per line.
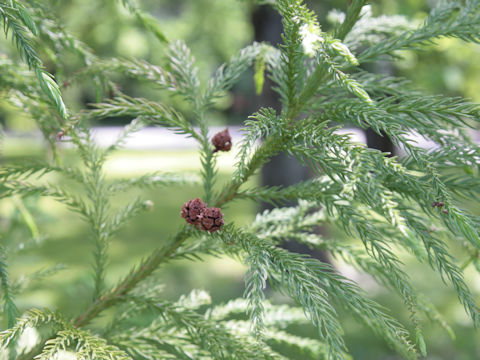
(192,210)
(222,141)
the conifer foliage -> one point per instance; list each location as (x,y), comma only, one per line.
(383,202)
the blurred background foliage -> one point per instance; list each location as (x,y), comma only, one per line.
(214,30)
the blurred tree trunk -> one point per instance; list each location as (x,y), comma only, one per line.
(382,143)
(374,140)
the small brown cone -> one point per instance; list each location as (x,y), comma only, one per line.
(222,141)
(192,210)
(211,219)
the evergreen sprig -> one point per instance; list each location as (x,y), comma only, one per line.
(298,270)
(10,310)
(381,203)
(148,21)
(18,22)
(448,19)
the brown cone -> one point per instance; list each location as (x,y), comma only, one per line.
(222,141)
(211,219)
(192,210)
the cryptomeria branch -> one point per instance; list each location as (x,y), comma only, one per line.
(160,255)
(383,202)
(146,268)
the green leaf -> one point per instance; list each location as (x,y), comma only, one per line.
(50,87)
(9,308)
(259,75)
(152,24)
(421,343)
(26,18)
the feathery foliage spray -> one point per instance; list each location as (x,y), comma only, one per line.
(385,203)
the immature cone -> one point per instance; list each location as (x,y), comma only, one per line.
(222,141)
(211,219)
(192,210)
